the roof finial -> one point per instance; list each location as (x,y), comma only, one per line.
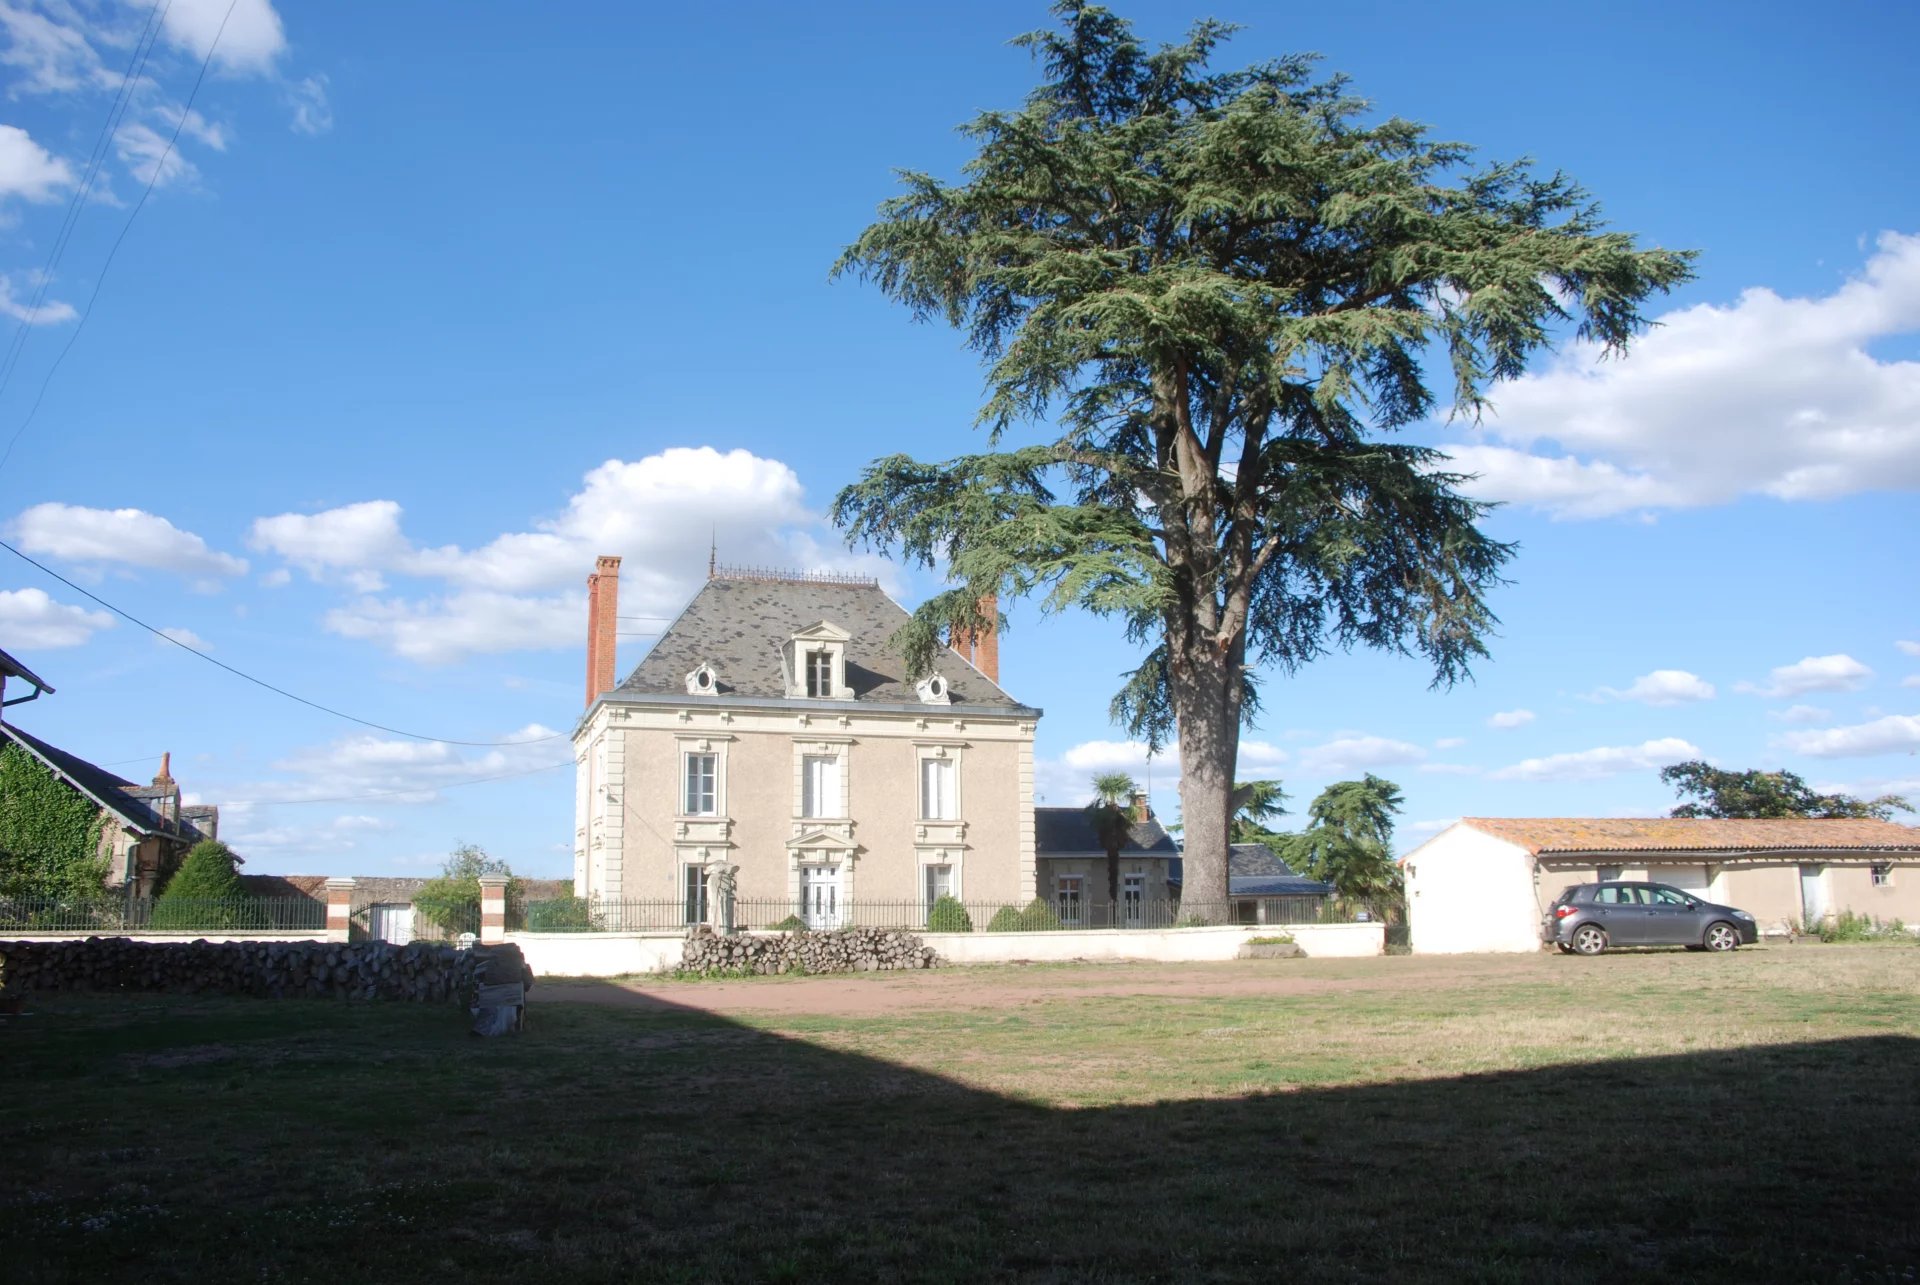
(713,551)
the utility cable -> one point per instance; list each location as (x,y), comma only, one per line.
(261,682)
(109,129)
(420,789)
(158,167)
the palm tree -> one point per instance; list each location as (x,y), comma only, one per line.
(1112,814)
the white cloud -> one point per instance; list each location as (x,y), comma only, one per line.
(1766,396)
(1802,714)
(252,39)
(49,312)
(30,619)
(523,589)
(312,111)
(1836,673)
(1449,742)
(1908,646)
(28,170)
(1889,735)
(124,537)
(1511,718)
(389,770)
(1662,687)
(1911,680)
(49,57)
(1596,764)
(1358,753)
(149,158)
(185,637)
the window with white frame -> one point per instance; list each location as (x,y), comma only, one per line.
(1882,875)
(939,789)
(1067,897)
(695,888)
(939,883)
(820,673)
(1607,874)
(821,790)
(700,795)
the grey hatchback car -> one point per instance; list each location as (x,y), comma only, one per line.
(1590,917)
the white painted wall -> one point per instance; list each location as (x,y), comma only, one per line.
(598,954)
(1171,945)
(1468,891)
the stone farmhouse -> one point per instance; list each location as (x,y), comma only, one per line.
(772,745)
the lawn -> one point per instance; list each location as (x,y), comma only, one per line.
(1712,1118)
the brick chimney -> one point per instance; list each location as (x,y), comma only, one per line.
(1142,810)
(603,623)
(983,650)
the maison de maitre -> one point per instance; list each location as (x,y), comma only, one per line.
(771,739)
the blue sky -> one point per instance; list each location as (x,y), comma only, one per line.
(430,306)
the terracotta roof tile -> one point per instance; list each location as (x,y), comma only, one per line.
(1683,834)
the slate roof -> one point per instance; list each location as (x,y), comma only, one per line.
(112,792)
(1683,834)
(1061,832)
(738,625)
(1254,870)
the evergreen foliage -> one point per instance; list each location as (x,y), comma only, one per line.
(1220,291)
(948,916)
(1039,916)
(205,892)
(1112,816)
(1005,920)
(562,915)
(453,899)
(1726,794)
(49,833)
(1348,843)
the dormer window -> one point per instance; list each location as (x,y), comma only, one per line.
(815,661)
(933,690)
(703,682)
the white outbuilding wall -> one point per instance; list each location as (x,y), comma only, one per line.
(1468,891)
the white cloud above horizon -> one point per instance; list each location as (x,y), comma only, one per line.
(1507,720)
(1893,734)
(1768,395)
(29,171)
(30,619)
(1836,673)
(1660,688)
(1601,762)
(120,537)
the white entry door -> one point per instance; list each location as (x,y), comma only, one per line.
(1813,895)
(820,896)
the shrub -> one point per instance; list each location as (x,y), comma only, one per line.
(205,892)
(49,833)
(562,915)
(791,924)
(1038,917)
(1282,939)
(452,901)
(1005,920)
(1847,926)
(948,916)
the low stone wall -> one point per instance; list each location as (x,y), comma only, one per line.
(274,969)
(850,950)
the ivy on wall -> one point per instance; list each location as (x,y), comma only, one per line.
(49,832)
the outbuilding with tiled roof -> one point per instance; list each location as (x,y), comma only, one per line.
(1484,883)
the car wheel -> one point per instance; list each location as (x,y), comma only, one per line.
(1563,948)
(1723,936)
(1588,940)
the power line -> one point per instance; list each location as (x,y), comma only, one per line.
(127,227)
(261,682)
(122,99)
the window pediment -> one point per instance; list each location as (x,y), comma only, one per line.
(704,681)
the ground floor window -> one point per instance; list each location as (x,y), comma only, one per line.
(1133,896)
(1068,897)
(1882,876)
(938,883)
(696,894)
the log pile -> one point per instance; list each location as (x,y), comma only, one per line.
(423,971)
(848,950)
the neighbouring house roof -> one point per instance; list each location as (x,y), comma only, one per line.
(114,793)
(1549,835)
(739,624)
(1065,832)
(14,669)
(381,890)
(1255,870)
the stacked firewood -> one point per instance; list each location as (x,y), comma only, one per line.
(276,969)
(847,950)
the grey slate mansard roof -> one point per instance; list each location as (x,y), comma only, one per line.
(738,625)
(1064,832)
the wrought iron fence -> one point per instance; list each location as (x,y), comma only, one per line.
(587,915)
(115,915)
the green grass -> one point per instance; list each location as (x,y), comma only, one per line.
(1739,1118)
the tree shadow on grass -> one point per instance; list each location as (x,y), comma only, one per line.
(648,1141)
